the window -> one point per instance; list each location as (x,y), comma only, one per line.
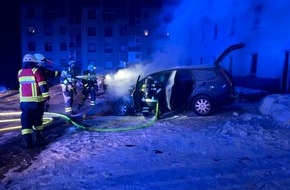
(63,46)
(108,64)
(48,30)
(232,27)
(63,63)
(62,30)
(214,32)
(108,31)
(137,55)
(48,46)
(72,55)
(138,21)
(49,15)
(108,17)
(91,47)
(30,12)
(138,40)
(254,64)
(123,31)
(201,61)
(72,41)
(92,15)
(31,46)
(31,30)
(123,48)
(108,48)
(257,16)
(91,31)
(146,14)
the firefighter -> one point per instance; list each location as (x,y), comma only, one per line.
(151,91)
(48,73)
(68,85)
(33,92)
(89,86)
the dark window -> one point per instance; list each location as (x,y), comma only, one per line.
(257,16)
(48,15)
(146,14)
(48,47)
(30,12)
(31,30)
(91,47)
(201,75)
(138,55)
(48,30)
(123,31)
(91,31)
(63,46)
(108,48)
(214,32)
(31,46)
(62,30)
(108,16)
(63,63)
(123,48)
(108,31)
(254,64)
(138,40)
(92,15)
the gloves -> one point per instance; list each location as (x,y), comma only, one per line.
(70,87)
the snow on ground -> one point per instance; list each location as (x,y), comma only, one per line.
(243,146)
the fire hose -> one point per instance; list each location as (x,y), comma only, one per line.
(47,120)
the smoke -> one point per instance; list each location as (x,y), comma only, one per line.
(178,23)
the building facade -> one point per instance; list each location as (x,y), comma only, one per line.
(112,35)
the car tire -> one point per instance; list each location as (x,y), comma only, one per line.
(122,107)
(202,105)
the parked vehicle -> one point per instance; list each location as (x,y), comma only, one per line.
(201,88)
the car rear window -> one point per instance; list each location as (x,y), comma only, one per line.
(201,75)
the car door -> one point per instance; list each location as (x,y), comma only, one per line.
(169,89)
(136,95)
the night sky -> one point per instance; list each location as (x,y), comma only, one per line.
(10,44)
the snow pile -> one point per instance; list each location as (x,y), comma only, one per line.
(277,106)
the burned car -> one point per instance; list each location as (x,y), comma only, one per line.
(199,88)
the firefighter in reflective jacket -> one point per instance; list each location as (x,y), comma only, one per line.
(68,86)
(49,74)
(151,91)
(89,86)
(33,92)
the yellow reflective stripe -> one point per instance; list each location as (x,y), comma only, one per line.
(28,79)
(45,94)
(32,99)
(69,109)
(38,128)
(42,83)
(55,73)
(26,131)
(34,70)
(33,90)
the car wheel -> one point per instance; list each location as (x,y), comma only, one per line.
(202,106)
(122,107)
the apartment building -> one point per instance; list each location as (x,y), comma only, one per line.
(113,34)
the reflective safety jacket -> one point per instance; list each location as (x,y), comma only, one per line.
(68,79)
(32,85)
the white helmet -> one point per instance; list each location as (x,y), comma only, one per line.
(29,58)
(40,58)
(72,63)
(91,67)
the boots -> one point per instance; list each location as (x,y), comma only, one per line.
(39,138)
(27,140)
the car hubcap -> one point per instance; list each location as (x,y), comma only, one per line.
(202,106)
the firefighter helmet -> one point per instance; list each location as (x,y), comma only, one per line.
(72,63)
(40,58)
(29,58)
(91,67)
